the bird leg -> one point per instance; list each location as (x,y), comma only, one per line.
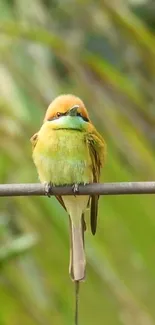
(75,189)
(48,189)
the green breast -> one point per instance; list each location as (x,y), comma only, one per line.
(64,158)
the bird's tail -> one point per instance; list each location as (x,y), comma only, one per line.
(77,254)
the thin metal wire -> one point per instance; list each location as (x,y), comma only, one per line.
(90,189)
(77,287)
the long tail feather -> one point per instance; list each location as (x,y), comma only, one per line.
(77,254)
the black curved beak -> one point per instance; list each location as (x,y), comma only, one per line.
(73,111)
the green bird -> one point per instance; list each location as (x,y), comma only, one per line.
(68,150)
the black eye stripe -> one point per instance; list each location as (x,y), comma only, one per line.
(56,116)
(63,114)
(83,117)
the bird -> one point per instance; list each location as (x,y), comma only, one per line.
(68,150)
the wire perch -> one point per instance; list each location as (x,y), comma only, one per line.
(90,189)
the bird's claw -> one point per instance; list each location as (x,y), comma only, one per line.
(75,189)
(48,189)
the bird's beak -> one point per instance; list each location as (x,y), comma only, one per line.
(73,110)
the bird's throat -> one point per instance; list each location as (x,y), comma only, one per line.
(68,123)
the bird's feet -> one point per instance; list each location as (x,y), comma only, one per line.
(48,189)
(75,189)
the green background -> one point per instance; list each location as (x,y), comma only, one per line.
(104,52)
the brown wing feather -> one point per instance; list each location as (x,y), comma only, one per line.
(34,140)
(94,199)
(97,150)
(59,198)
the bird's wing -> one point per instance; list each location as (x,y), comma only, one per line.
(59,198)
(96,147)
(34,140)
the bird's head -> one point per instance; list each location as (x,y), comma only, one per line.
(67,112)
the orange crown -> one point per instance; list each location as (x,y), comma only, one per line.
(64,103)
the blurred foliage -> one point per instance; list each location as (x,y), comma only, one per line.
(104,52)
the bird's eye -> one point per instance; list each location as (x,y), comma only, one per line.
(55,116)
(58,114)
